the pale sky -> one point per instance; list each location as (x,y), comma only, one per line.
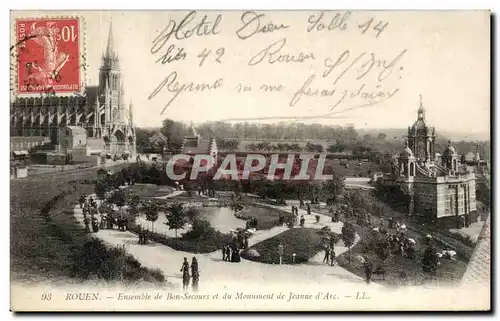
(445,56)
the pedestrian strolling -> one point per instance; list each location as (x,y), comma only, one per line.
(368,271)
(195,273)
(332,256)
(326,259)
(185,274)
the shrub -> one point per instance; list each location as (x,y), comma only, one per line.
(201,229)
(383,249)
(201,245)
(95,260)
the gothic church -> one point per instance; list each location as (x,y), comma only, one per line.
(99,114)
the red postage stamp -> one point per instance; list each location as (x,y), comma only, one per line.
(48,55)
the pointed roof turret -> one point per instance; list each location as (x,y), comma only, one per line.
(130,113)
(97,109)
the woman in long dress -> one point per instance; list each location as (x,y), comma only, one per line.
(195,273)
(185,274)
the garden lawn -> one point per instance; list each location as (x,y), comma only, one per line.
(149,190)
(333,165)
(267,217)
(221,219)
(208,244)
(185,197)
(304,242)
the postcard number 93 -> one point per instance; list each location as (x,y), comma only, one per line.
(46,296)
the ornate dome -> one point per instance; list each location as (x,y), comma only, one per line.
(420,128)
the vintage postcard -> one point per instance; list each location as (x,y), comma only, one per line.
(250,160)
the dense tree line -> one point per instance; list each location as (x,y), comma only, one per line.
(341,139)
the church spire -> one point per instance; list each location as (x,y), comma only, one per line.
(110,48)
(421,110)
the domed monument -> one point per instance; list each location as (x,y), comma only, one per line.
(441,190)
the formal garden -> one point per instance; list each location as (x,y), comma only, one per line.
(204,219)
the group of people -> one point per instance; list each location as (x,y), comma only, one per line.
(231,254)
(195,274)
(89,207)
(143,235)
(329,255)
(400,243)
(107,221)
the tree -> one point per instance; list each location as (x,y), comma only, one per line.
(201,229)
(118,198)
(176,217)
(348,236)
(102,186)
(151,210)
(333,188)
(133,205)
(175,132)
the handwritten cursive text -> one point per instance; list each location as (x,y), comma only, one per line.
(339,96)
(185,29)
(252,25)
(176,88)
(339,21)
(274,55)
(364,62)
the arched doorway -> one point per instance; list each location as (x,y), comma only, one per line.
(119,141)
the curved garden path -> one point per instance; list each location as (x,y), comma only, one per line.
(217,274)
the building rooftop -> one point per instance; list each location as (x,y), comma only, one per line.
(479,267)
(202,148)
(77,130)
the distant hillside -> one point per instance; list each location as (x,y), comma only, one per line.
(399,133)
